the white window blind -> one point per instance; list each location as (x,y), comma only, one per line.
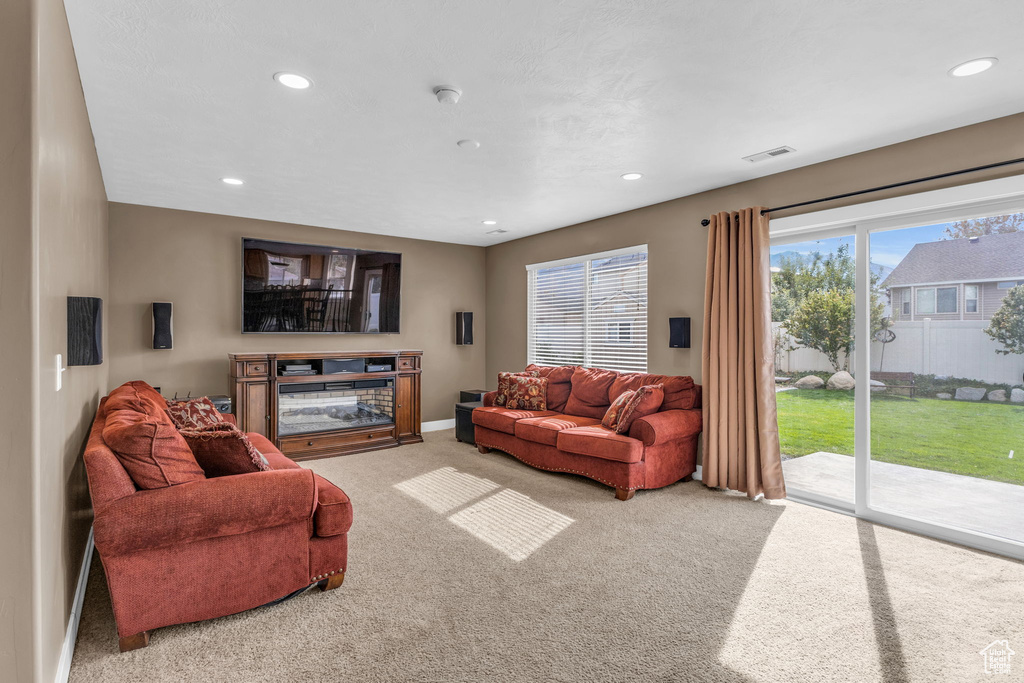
(590,311)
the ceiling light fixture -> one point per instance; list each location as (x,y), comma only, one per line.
(447,94)
(290,80)
(468,144)
(975,66)
(489,222)
(232,181)
(632,176)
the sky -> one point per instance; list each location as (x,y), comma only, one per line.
(887,248)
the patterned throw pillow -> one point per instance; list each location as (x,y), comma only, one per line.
(195,413)
(611,416)
(505,381)
(224,449)
(528,393)
(645,401)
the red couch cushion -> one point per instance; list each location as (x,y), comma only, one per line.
(504,420)
(333,514)
(139,397)
(545,429)
(590,389)
(614,412)
(223,450)
(196,413)
(559,384)
(644,401)
(598,442)
(153,452)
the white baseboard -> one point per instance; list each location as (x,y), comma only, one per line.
(437,425)
(68,649)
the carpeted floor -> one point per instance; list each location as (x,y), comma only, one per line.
(469,567)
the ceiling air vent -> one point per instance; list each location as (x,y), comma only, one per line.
(776,152)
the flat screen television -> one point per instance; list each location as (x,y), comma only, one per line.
(301,288)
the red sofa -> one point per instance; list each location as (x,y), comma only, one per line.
(212,546)
(659,449)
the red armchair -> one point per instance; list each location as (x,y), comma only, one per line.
(214,546)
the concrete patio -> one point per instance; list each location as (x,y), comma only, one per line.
(967,502)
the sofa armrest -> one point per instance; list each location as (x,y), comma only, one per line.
(229,418)
(208,508)
(489,398)
(668,425)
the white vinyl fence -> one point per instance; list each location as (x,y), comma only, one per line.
(953,348)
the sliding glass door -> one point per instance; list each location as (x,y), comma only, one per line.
(899,346)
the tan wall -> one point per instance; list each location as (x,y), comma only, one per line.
(71,219)
(678,244)
(16,340)
(194,261)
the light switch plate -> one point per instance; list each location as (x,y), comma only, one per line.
(60,371)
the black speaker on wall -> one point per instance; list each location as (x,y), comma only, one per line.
(679,333)
(162,325)
(464,328)
(85,330)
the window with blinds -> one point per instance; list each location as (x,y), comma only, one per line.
(590,311)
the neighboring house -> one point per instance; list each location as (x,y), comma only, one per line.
(961,279)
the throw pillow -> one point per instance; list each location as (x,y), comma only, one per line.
(153,452)
(505,381)
(611,416)
(223,450)
(527,393)
(645,401)
(195,413)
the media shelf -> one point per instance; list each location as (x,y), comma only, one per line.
(318,405)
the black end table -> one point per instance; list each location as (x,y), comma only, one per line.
(464,421)
(469,395)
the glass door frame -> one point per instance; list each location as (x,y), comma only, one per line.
(993,197)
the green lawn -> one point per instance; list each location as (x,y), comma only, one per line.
(974,439)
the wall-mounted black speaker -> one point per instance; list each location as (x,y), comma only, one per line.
(162,325)
(464,328)
(85,330)
(679,333)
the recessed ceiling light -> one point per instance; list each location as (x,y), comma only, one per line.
(489,222)
(232,181)
(468,144)
(975,66)
(632,176)
(291,80)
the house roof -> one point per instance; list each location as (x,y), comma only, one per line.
(989,257)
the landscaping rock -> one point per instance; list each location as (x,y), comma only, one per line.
(1017,396)
(998,395)
(970,394)
(877,385)
(841,381)
(944,397)
(809,382)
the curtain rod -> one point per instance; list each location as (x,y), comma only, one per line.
(707,222)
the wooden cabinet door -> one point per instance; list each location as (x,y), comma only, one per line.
(257,408)
(405,405)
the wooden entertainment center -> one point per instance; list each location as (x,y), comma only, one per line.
(318,405)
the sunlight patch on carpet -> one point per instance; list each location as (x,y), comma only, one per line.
(511,522)
(445,489)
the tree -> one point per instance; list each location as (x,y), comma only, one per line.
(990,225)
(817,295)
(1007,324)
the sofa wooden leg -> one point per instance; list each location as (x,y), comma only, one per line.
(483,449)
(333,581)
(688,477)
(135,642)
(623,494)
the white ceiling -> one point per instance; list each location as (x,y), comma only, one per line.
(564,96)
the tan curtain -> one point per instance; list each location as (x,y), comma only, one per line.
(741,432)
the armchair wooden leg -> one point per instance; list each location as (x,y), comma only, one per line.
(333,581)
(483,449)
(135,642)
(623,494)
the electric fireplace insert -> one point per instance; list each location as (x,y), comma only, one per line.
(332,406)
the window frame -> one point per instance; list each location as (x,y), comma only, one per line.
(595,331)
(976,298)
(918,291)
